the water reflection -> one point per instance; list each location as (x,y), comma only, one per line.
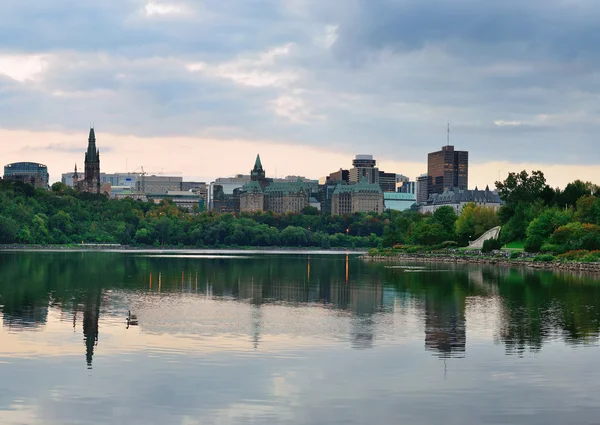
(530,308)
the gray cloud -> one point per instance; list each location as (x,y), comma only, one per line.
(517,80)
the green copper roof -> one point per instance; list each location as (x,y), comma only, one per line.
(257,163)
(286,188)
(253,187)
(362,186)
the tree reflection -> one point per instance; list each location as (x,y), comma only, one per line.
(533,307)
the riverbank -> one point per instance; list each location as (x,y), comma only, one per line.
(116,247)
(588,267)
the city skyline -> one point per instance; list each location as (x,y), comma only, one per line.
(313,82)
(61,152)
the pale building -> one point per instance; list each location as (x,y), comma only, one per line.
(360,197)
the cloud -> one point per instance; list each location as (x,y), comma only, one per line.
(515,79)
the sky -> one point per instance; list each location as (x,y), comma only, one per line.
(199,87)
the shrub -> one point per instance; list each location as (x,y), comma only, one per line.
(514,255)
(575,255)
(534,243)
(592,257)
(415,249)
(491,244)
(553,248)
(544,258)
(373,251)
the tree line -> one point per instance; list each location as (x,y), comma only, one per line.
(542,218)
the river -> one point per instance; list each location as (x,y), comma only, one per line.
(292,338)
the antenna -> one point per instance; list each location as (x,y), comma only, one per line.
(448,135)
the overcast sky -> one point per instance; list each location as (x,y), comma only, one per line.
(199,87)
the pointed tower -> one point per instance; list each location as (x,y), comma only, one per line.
(92,165)
(257,173)
(75,177)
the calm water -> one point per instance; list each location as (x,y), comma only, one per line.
(292,339)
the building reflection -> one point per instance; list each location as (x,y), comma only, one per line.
(445,327)
(526,314)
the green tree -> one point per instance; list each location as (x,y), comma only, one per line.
(446,217)
(9,230)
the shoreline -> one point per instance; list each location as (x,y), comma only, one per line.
(120,248)
(499,262)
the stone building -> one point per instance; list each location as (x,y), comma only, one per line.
(286,197)
(263,194)
(457,199)
(360,197)
(252,198)
(91,179)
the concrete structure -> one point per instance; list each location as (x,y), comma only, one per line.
(422,194)
(398,201)
(158,184)
(91,179)
(447,168)
(186,200)
(360,197)
(457,198)
(27,172)
(493,233)
(223,193)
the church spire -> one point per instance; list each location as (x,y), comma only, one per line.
(257,163)
(92,152)
(257,173)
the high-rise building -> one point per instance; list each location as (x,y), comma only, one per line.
(91,179)
(27,172)
(422,194)
(364,166)
(387,181)
(447,168)
(338,177)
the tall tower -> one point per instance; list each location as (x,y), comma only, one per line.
(92,165)
(257,173)
(75,177)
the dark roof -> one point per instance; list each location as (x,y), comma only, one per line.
(457,196)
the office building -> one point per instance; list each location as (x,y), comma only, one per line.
(27,172)
(186,200)
(158,184)
(422,193)
(360,197)
(447,168)
(224,193)
(364,166)
(387,181)
(338,177)
(408,187)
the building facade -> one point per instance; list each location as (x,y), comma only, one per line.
(364,166)
(398,201)
(422,192)
(360,197)
(387,181)
(28,172)
(281,196)
(447,168)
(457,199)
